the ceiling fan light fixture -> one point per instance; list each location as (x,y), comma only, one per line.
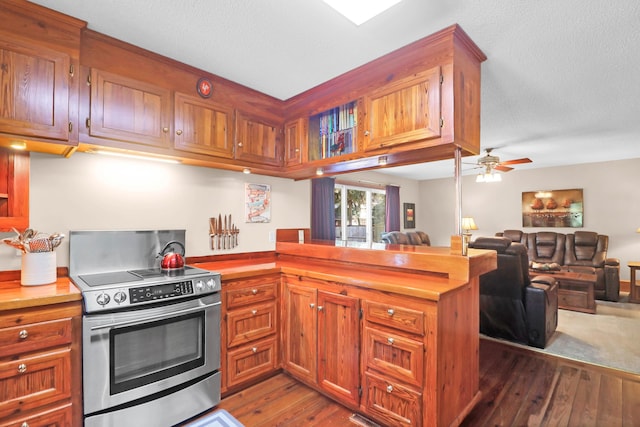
(360,11)
(489,177)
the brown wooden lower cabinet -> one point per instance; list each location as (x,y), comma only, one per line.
(40,366)
(250,334)
(390,402)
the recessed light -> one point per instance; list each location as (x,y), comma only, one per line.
(359,11)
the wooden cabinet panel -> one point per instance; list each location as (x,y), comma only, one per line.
(29,382)
(253,291)
(251,361)
(34,90)
(203,127)
(251,323)
(405,111)
(394,355)
(14,190)
(339,346)
(394,316)
(129,110)
(391,402)
(257,140)
(294,141)
(34,336)
(300,331)
(58,417)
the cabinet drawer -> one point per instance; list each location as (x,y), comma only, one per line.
(251,294)
(33,381)
(251,323)
(394,355)
(251,361)
(390,315)
(392,403)
(34,336)
(57,417)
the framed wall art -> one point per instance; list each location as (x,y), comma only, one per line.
(409,215)
(257,202)
(555,208)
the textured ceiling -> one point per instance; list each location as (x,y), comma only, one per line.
(560,84)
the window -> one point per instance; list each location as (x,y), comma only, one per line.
(360,213)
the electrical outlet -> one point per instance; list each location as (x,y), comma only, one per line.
(272,236)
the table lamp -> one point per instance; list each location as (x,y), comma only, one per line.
(467,224)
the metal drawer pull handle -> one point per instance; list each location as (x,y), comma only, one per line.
(254,349)
(389,388)
(23,334)
(179,132)
(390,340)
(254,312)
(24,424)
(320,308)
(391,312)
(312,305)
(254,291)
(22,368)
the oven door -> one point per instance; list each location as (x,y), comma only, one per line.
(136,354)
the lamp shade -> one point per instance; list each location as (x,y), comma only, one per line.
(468,223)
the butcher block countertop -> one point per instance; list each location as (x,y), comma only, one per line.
(15,296)
(419,272)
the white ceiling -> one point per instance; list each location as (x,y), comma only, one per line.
(561,84)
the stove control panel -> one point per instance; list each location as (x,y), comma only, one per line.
(120,298)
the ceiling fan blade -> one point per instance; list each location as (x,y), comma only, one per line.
(516,161)
(502,168)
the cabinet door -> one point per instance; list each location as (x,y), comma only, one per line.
(405,111)
(294,134)
(300,332)
(129,110)
(391,402)
(58,417)
(251,361)
(203,127)
(36,380)
(339,346)
(14,190)
(34,95)
(257,140)
(256,321)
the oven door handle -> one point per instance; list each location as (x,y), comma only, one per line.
(152,318)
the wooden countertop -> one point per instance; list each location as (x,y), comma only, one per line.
(424,275)
(15,296)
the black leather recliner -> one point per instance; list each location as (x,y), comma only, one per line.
(512,306)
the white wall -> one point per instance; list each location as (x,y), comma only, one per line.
(92,192)
(611,203)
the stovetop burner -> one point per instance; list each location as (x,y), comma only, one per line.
(122,277)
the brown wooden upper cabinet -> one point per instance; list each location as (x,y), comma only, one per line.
(129,110)
(14,189)
(257,140)
(35,90)
(405,111)
(203,127)
(295,132)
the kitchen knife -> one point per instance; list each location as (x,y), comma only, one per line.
(219,228)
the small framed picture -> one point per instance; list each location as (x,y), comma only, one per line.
(409,215)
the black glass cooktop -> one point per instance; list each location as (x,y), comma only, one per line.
(128,276)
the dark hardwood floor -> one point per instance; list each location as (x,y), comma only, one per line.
(519,387)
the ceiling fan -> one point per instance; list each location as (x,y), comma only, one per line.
(492,163)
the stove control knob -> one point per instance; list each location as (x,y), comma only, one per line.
(120,297)
(199,285)
(103,299)
(211,283)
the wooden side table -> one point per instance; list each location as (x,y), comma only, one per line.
(634,288)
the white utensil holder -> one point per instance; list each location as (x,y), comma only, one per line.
(38,268)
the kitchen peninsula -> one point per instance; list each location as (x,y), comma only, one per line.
(389,331)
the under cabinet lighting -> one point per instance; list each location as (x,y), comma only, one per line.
(382,160)
(16,145)
(359,11)
(319,172)
(246,171)
(135,156)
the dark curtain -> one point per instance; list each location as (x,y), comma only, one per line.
(392,220)
(323,213)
